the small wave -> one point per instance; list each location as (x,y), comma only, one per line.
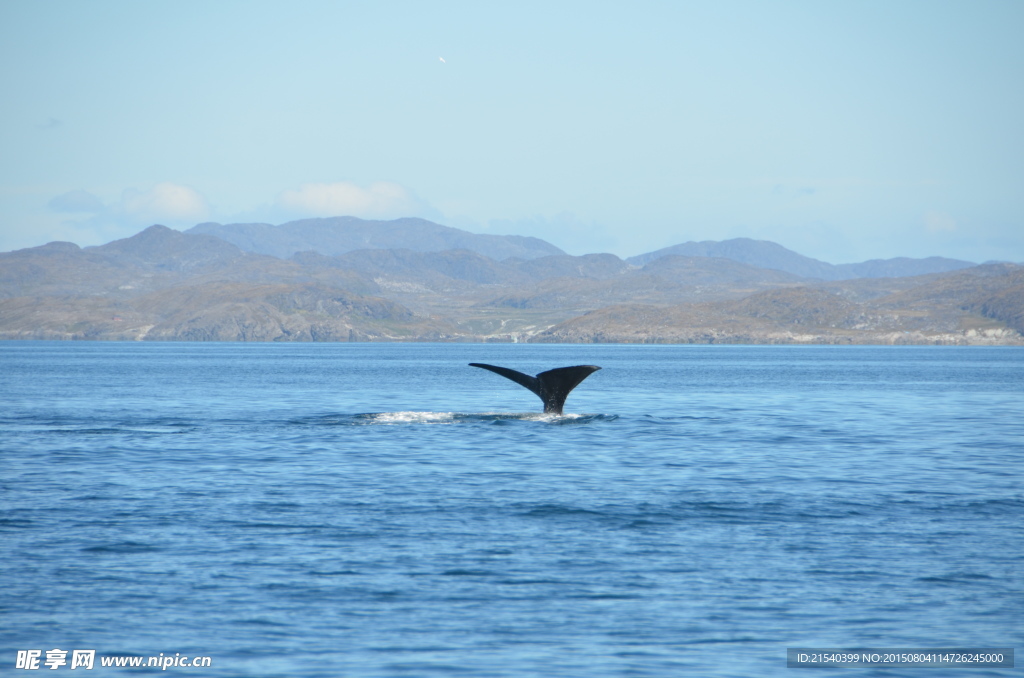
(93,427)
(669,419)
(405,418)
(121,547)
(956,578)
(16,522)
(467,573)
(338,573)
(557,510)
(259,622)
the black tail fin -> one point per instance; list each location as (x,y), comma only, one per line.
(553,386)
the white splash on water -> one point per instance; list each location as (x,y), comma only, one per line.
(411,417)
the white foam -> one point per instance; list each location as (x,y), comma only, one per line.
(463,417)
(413,418)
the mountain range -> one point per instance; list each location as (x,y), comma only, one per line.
(338,235)
(765,254)
(346,279)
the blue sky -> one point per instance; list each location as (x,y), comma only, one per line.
(843,130)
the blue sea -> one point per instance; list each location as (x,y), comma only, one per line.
(382,510)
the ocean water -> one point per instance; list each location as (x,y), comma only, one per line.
(386,510)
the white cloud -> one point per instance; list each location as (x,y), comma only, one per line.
(164,203)
(939,222)
(93,222)
(77,201)
(381,200)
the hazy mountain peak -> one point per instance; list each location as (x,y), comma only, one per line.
(760,253)
(767,254)
(58,246)
(164,248)
(333,236)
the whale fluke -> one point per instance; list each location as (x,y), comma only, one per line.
(553,386)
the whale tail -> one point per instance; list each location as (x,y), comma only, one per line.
(552,387)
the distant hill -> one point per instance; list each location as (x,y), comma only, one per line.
(666,280)
(766,254)
(161,284)
(153,259)
(422,267)
(164,249)
(898,268)
(979,305)
(338,235)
